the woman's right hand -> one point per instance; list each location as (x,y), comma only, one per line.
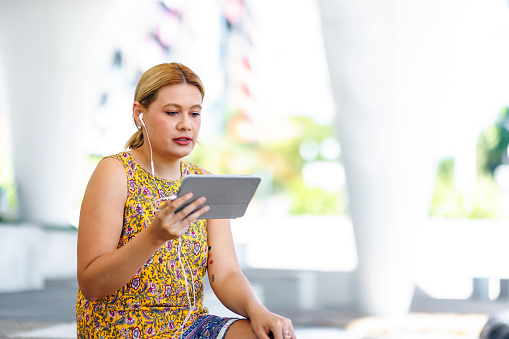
(168,224)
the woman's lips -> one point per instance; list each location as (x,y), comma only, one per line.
(182,141)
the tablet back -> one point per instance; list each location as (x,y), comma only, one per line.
(227,195)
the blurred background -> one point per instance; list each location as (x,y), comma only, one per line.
(380,130)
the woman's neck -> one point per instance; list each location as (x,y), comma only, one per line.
(164,167)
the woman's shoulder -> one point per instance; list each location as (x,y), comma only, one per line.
(110,165)
(119,160)
(123,157)
(113,166)
(189,168)
(109,173)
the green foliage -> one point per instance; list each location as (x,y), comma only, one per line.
(448,201)
(287,164)
(482,201)
(316,201)
(8,193)
(492,144)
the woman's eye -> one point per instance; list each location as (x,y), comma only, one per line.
(172,113)
(195,114)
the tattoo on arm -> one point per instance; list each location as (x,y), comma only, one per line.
(213,278)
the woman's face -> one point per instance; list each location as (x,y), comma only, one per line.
(173,120)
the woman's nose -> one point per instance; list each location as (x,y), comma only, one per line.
(184,123)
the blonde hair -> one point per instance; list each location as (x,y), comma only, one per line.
(154,79)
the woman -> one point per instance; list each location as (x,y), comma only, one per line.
(139,266)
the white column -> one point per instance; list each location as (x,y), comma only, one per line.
(386,61)
(52,54)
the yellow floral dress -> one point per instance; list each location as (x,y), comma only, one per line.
(154,303)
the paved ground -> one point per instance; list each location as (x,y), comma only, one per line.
(24,311)
(49,313)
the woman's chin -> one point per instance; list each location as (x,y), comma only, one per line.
(181,154)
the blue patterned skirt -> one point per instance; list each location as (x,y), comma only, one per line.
(209,327)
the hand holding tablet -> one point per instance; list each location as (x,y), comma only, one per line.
(227,195)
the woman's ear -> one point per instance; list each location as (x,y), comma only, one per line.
(137,113)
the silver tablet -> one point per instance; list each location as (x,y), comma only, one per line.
(227,195)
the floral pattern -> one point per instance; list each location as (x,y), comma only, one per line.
(154,303)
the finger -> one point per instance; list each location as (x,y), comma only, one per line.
(262,334)
(183,220)
(176,203)
(290,328)
(185,208)
(194,210)
(172,203)
(196,214)
(277,331)
(291,333)
(283,329)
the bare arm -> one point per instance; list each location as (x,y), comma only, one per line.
(102,268)
(226,278)
(232,287)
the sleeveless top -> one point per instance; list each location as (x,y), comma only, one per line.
(156,301)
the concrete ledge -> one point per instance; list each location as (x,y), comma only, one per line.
(21,259)
(59,253)
(303,290)
(30,254)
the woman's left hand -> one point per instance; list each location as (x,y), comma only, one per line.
(264,322)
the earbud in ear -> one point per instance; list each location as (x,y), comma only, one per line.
(141,119)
